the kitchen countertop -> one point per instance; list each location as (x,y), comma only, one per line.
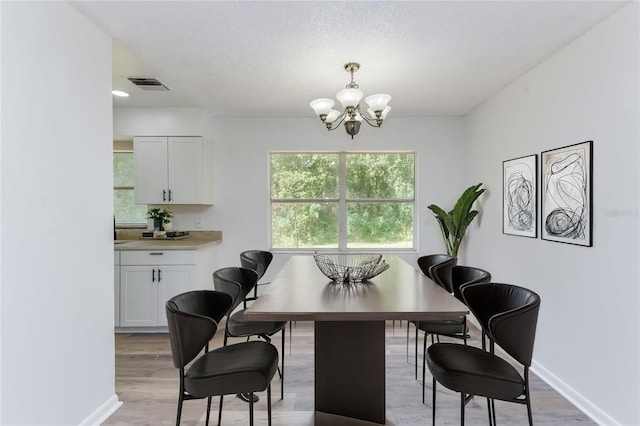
(197,239)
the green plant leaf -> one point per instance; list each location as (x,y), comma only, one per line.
(465,224)
(157,213)
(444,219)
(455,223)
(465,202)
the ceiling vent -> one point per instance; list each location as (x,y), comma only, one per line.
(148,83)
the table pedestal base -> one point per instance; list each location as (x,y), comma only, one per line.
(350,369)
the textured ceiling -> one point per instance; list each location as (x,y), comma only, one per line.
(271,58)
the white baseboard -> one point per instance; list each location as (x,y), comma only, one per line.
(125,330)
(577,399)
(103,412)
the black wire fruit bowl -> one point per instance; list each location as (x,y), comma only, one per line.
(350,268)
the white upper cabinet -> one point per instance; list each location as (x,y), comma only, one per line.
(171,170)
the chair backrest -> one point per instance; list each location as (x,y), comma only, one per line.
(256,260)
(236,282)
(464,275)
(441,273)
(193,321)
(426,262)
(508,315)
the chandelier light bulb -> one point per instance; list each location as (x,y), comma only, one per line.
(322,106)
(349,97)
(378,102)
(333,115)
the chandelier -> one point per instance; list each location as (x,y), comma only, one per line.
(350,99)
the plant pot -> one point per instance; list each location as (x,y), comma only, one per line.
(157,224)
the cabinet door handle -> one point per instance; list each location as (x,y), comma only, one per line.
(159,274)
(156,253)
(164,195)
(153,275)
(169,195)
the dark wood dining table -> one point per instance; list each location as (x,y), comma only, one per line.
(349,321)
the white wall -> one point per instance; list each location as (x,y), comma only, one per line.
(587,341)
(56,287)
(157,122)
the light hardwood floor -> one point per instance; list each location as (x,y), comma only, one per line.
(147,383)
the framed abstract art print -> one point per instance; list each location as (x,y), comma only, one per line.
(520,196)
(567,205)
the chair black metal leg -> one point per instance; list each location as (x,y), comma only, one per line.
(416,351)
(462,403)
(433,402)
(489,411)
(464,331)
(220,410)
(206,423)
(424,352)
(290,337)
(179,411)
(493,411)
(407,341)
(282,372)
(251,409)
(180,397)
(269,404)
(526,394)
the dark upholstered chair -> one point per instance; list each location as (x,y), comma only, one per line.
(258,261)
(244,367)
(508,315)
(453,279)
(238,282)
(426,262)
(429,264)
(462,276)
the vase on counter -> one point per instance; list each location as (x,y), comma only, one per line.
(157,224)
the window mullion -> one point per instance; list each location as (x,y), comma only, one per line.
(342,204)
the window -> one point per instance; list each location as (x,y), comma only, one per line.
(342,200)
(125,211)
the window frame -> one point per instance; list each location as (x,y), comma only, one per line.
(126,225)
(342,203)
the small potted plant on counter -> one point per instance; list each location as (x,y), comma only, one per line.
(160,218)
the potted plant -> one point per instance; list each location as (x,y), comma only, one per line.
(160,217)
(454,223)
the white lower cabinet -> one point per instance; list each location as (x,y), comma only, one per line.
(148,279)
(145,289)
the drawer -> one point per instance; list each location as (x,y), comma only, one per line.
(158,257)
